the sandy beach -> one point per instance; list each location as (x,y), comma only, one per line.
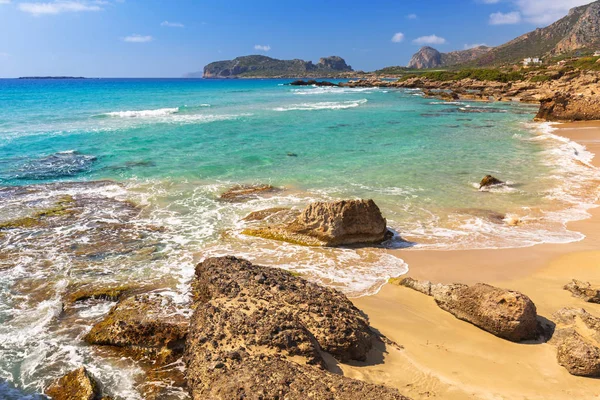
(445,358)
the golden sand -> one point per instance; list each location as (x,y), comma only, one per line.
(445,358)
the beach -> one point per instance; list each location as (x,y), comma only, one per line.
(445,358)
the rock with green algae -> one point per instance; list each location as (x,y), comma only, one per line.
(64,206)
(336,223)
(149,325)
(76,385)
(489,180)
(103,292)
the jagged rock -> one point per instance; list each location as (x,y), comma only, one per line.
(102,292)
(569,107)
(259,332)
(331,224)
(150,325)
(489,180)
(505,313)
(246,192)
(76,385)
(577,340)
(584,290)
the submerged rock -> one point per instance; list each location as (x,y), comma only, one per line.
(489,180)
(504,313)
(331,224)
(151,325)
(267,213)
(102,292)
(577,341)
(246,192)
(260,332)
(311,82)
(76,385)
(584,290)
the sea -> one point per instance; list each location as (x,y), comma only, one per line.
(142,163)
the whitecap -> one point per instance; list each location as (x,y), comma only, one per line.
(327,105)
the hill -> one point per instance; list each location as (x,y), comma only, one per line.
(428,57)
(257,66)
(578,32)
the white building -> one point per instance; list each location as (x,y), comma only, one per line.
(531,60)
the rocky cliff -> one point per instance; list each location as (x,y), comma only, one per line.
(428,57)
(258,66)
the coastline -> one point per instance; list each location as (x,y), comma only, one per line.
(446,358)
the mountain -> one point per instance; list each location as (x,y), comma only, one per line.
(578,31)
(428,57)
(258,66)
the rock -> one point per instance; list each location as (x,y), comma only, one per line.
(331,224)
(260,332)
(584,290)
(76,385)
(312,82)
(564,107)
(489,180)
(150,325)
(426,57)
(577,341)
(504,313)
(102,292)
(246,192)
(266,213)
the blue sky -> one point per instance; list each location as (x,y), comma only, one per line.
(167,38)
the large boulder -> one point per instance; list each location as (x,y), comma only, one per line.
(260,332)
(505,313)
(76,385)
(577,340)
(335,223)
(151,325)
(584,290)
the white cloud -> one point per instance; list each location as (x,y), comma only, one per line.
(57,7)
(172,24)
(412,16)
(4,1)
(505,19)
(138,38)
(474,45)
(398,37)
(431,39)
(261,47)
(544,12)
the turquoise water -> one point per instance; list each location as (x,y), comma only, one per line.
(172,146)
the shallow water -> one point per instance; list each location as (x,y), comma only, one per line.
(144,162)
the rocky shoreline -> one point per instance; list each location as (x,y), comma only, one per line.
(563,96)
(265,333)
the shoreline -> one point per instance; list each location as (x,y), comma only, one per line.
(446,358)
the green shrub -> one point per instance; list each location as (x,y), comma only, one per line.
(540,78)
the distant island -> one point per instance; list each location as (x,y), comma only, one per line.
(258,66)
(52,77)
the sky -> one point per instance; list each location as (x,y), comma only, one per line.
(168,38)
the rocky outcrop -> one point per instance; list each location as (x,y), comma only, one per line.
(489,180)
(246,192)
(258,66)
(567,107)
(336,223)
(426,57)
(312,83)
(577,341)
(504,313)
(150,325)
(261,332)
(584,290)
(102,292)
(76,385)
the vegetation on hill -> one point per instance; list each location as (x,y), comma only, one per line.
(495,75)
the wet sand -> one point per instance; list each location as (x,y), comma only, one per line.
(445,358)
